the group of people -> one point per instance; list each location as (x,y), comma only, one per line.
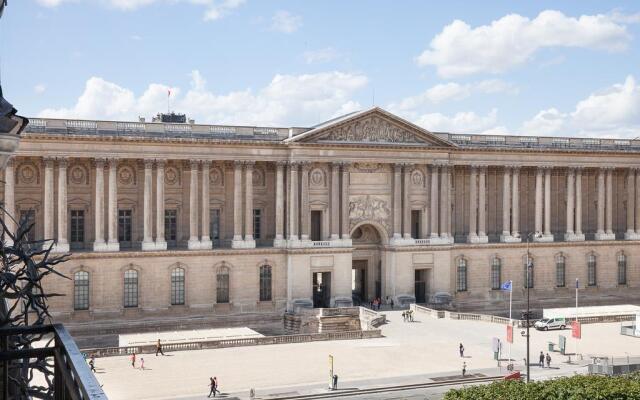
(134,358)
(542,359)
(213,384)
(407,316)
(377,302)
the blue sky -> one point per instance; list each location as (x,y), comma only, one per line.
(539,68)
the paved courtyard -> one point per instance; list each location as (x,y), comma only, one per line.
(408,352)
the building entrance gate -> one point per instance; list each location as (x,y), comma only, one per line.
(421,285)
(321,282)
(359,282)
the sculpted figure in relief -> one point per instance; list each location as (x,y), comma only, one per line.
(371,129)
(369,208)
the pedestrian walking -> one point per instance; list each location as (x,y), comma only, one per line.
(159,348)
(548,360)
(92,364)
(541,360)
(141,363)
(133,360)
(411,315)
(404,316)
(215,382)
(391,302)
(461,349)
(464,368)
(212,385)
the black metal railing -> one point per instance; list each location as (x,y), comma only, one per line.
(72,378)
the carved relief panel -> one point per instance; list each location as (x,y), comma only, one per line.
(28,174)
(369,208)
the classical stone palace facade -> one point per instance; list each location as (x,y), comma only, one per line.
(204,219)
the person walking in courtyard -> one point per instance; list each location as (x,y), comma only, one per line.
(133,360)
(92,364)
(548,360)
(464,368)
(541,360)
(212,384)
(461,349)
(141,363)
(404,316)
(159,348)
(391,302)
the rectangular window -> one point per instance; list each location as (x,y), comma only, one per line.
(170,226)
(214,225)
(124,227)
(316,225)
(257,216)
(560,272)
(81,290)
(29,218)
(131,288)
(222,289)
(591,270)
(496,279)
(528,273)
(415,224)
(77,227)
(177,286)
(622,269)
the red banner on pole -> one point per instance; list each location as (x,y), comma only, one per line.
(510,333)
(576,330)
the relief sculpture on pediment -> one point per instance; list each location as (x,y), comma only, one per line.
(369,208)
(371,129)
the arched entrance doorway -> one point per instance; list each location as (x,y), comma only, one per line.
(368,239)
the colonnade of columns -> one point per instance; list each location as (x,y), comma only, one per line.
(477,205)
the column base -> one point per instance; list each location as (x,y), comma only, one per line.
(632,236)
(402,241)
(605,236)
(148,246)
(279,242)
(406,236)
(100,246)
(193,244)
(60,248)
(478,239)
(243,244)
(574,237)
(206,244)
(334,236)
(510,239)
(160,245)
(543,238)
(113,246)
(439,240)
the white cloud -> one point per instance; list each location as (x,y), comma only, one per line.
(285,22)
(321,55)
(39,88)
(461,122)
(513,39)
(613,112)
(452,91)
(286,100)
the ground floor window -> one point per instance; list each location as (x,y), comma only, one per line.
(265,283)
(461,273)
(81,290)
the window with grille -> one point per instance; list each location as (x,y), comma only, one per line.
(560,271)
(170,226)
(214,225)
(591,270)
(496,270)
(257,223)
(131,288)
(265,283)
(77,226)
(222,285)
(528,272)
(622,269)
(461,281)
(81,290)
(177,286)
(124,226)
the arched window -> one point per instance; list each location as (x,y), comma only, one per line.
(222,285)
(528,272)
(81,290)
(461,275)
(591,270)
(177,286)
(496,272)
(560,270)
(265,283)
(131,288)
(622,269)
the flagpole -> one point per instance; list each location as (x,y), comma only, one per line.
(510,320)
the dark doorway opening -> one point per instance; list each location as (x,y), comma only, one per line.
(316,225)
(321,289)
(359,282)
(421,285)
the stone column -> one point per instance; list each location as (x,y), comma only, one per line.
(609,204)
(434,202)
(147,241)
(237,205)
(293,202)
(205,235)
(161,243)
(601,203)
(579,236)
(482,207)
(305,211)
(113,244)
(335,201)
(444,204)
(249,241)
(473,205)
(397,202)
(538,203)
(278,242)
(62,245)
(547,205)
(406,202)
(99,243)
(10,199)
(506,204)
(637,225)
(515,217)
(48,199)
(570,204)
(346,235)
(631,205)
(194,242)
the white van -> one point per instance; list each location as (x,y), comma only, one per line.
(550,323)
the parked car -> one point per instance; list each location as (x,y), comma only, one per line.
(550,323)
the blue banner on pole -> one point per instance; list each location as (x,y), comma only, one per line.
(506,286)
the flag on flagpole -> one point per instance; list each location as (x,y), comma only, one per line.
(506,286)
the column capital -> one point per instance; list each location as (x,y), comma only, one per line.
(100,162)
(397,167)
(48,162)
(206,163)
(545,167)
(63,162)
(305,165)
(280,164)
(160,163)
(11,162)
(293,163)
(113,162)
(148,163)
(515,167)
(194,164)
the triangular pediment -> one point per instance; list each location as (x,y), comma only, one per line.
(373,126)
